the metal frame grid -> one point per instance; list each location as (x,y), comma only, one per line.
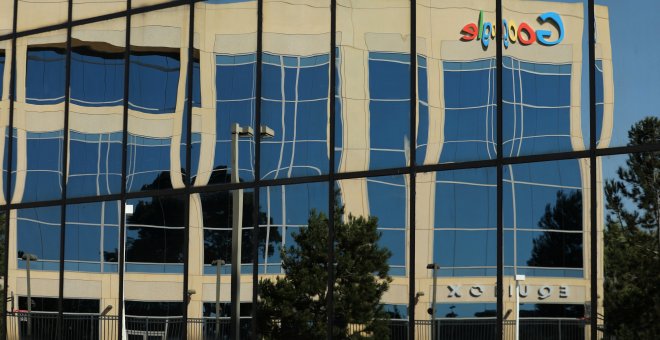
(592,153)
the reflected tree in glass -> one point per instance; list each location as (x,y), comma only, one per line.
(294,306)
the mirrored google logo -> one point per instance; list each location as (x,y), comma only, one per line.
(522,33)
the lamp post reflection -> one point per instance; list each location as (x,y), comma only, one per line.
(29,258)
(218,266)
(435,267)
(238,131)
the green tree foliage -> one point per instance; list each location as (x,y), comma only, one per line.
(295,306)
(632,234)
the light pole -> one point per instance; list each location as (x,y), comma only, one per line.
(238,131)
(218,266)
(519,278)
(28,258)
(128,211)
(435,267)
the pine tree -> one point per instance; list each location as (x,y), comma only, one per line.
(632,235)
(295,306)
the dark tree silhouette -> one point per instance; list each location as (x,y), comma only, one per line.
(556,249)
(166,245)
(294,306)
(632,235)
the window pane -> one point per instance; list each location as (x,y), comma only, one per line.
(544,219)
(545,77)
(456,84)
(228,69)
(37,239)
(96,109)
(372,123)
(156,159)
(295,87)
(153,279)
(39,117)
(293,219)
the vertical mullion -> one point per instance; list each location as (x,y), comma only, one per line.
(500,190)
(257,170)
(124,152)
(413,171)
(65,156)
(9,155)
(330,297)
(593,195)
(187,180)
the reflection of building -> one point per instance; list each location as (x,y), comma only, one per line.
(456,210)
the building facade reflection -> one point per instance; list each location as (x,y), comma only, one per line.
(140,112)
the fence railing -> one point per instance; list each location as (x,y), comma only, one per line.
(44,325)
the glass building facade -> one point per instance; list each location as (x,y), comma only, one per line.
(144,140)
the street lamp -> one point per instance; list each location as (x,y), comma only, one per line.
(218,266)
(237,132)
(28,258)
(519,278)
(435,267)
(128,212)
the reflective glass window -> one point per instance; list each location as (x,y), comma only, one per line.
(235,100)
(543,218)
(154,81)
(45,75)
(92,237)
(38,233)
(96,110)
(154,235)
(466,222)
(470,110)
(283,211)
(39,118)
(537,105)
(295,106)
(218,218)
(389,88)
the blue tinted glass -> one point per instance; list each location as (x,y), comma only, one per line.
(422,110)
(95,164)
(235,104)
(465,237)
(154,81)
(283,211)
(387,203)
(97,78)
(46,69)
(38,233)
(600,100)
(389,106)
(91,238)
(148,163)
(295,106)
(43,178)
(537,107)
(543,217)
(470,93)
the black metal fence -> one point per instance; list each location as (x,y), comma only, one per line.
(43,326)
